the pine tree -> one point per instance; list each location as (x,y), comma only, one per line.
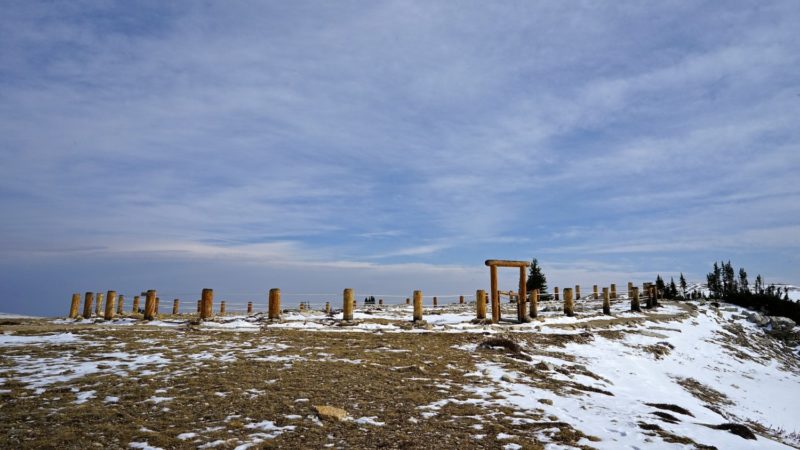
(659,284)
(744,286)
(683,285)
(536,278)
(673,290)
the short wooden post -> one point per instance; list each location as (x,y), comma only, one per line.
(222,308)
(635,307)
(348,301)
(613,291)
(594,292)
(74,305)
(630,289)
(606,302)
(408,301)
(136,301)
(206,303)
(327,307)
(522,313)
(274,304)
(577,292)
(199,305)
(111,298)
(98,304)
(435,302)
(176,306)
(157,303)
(569,303)
(249,308)
(380,301)
(495,294)
(534,303)
(653,297)
(302,306)
(121,305)
(87,305)
(480,304)
(460,299)
(150,305)
(417,306)
(555,294)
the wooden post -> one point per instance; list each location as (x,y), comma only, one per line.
(435,302)
(460,299)
(158,301)
(635,307)
(417,306)
(380,301)
(555,294)
(594,292)
(176,307)
(150,305)
(480,303)
(249,308)
(327,307)
(206,303)
(522,315)
(274,304)
(74,304)
(495,294)
(348,303)
(535,303)
(121,305)
(199,305)
(653,296)
(569,304)
(577,292)
(135,308)
(222,308)
(111,298)
(98,304)
(630,289)
(606,302)
(87,305)
(613,291)
(408,301)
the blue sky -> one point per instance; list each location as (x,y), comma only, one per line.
(391,146)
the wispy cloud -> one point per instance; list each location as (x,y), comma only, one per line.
(401,133)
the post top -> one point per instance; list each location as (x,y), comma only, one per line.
(506,263)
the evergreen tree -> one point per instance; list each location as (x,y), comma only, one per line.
(673,290)
(536,278)
(659,284)
(744,286)
(683,285)
(759,287)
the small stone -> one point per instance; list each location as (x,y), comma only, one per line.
(506,378)
(325,412)
(546,401)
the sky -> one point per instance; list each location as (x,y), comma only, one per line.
(391,146)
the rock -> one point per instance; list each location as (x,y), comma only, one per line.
(781,323)
(325,412)
(543,365)
(506,378)
(758,319)
(737,429)
(546,401)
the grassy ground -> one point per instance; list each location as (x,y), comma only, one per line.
(155,385)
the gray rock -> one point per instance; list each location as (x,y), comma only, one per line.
(781,323)
(758,319)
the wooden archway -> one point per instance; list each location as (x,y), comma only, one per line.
(523,294)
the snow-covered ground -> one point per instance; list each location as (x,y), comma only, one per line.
(600,375)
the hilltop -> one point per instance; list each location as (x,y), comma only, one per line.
(685,375)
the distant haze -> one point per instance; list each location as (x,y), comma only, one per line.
(391,146)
